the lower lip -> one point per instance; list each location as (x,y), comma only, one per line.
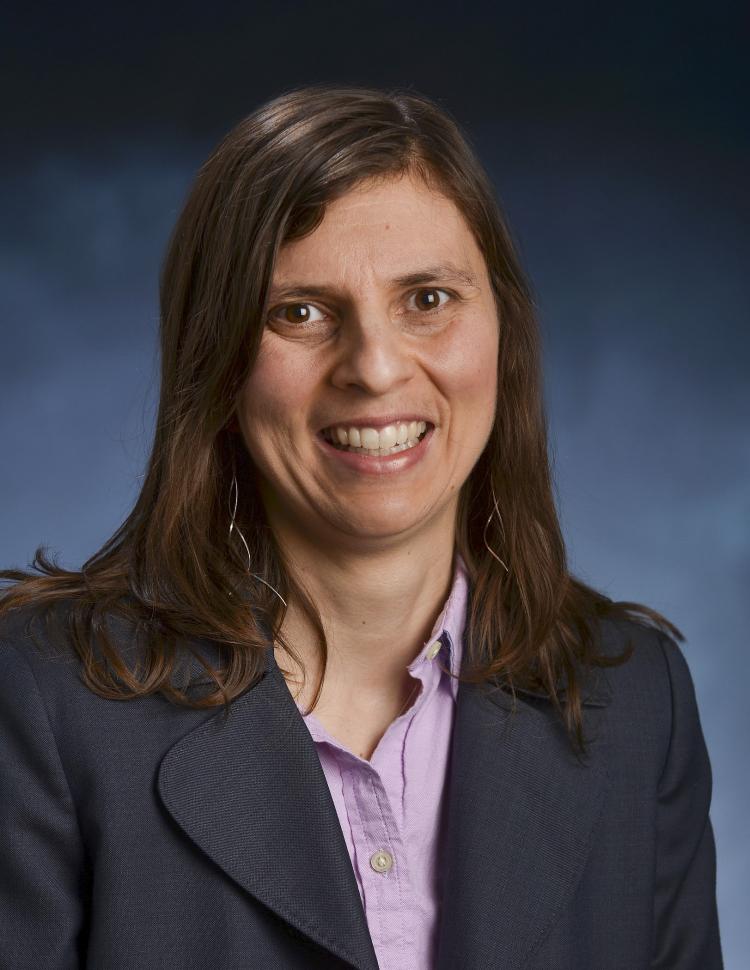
(377,464)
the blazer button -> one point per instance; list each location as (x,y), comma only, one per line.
(433,650)
(381,861)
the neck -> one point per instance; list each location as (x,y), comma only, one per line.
(377,612)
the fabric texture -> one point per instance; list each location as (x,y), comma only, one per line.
(145,834)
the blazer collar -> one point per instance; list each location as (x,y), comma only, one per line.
(521,816)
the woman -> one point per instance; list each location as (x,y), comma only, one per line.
(330,696)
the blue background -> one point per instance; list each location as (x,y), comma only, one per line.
(617,140)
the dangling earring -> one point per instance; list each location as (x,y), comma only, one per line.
(502,527)
(233,488)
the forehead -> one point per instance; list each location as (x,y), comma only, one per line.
(381,228)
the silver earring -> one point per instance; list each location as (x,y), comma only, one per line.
(233,488)
(502,528)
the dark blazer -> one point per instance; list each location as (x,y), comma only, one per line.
(142,835)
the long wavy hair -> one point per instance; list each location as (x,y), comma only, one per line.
(173,568)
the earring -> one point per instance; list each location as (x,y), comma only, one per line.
(233,488)
(502,528)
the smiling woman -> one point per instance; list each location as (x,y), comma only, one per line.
(437,748)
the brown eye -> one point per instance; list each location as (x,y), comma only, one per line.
(297,314)
(428,299)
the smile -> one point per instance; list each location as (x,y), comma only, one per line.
(398,458)
(387,440)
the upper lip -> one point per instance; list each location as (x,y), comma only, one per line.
(376,421)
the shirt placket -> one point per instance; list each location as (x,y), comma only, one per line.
(382,865)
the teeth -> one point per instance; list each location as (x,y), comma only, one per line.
(373,440)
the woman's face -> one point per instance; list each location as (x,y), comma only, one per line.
(347,339)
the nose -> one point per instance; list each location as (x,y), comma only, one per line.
(374,353)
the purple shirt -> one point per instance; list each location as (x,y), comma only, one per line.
(390,807)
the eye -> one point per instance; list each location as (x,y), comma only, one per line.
(432,303)
(295,313)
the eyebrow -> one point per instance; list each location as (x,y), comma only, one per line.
(443,272)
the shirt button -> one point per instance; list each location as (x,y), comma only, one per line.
(433,650)
(381,861)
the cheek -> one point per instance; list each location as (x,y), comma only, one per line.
(274,391)
(470,367)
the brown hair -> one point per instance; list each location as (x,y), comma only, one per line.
(172,567)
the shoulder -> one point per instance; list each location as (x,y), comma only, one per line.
(657,664)
(28,699)
(39,636)
(50,638)
(653,704)
(45,694)
(40,670)
(38,649)
(33,634)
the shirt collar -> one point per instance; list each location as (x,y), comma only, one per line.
(449,627)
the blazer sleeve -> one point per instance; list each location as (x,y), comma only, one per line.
(42,864)
(686,924)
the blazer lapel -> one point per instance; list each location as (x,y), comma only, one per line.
(521,817)
(251,793)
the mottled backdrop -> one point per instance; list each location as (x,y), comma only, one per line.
(617,138)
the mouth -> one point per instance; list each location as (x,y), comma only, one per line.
(400,459)
(327,434)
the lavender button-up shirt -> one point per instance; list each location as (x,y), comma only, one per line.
(391,807)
